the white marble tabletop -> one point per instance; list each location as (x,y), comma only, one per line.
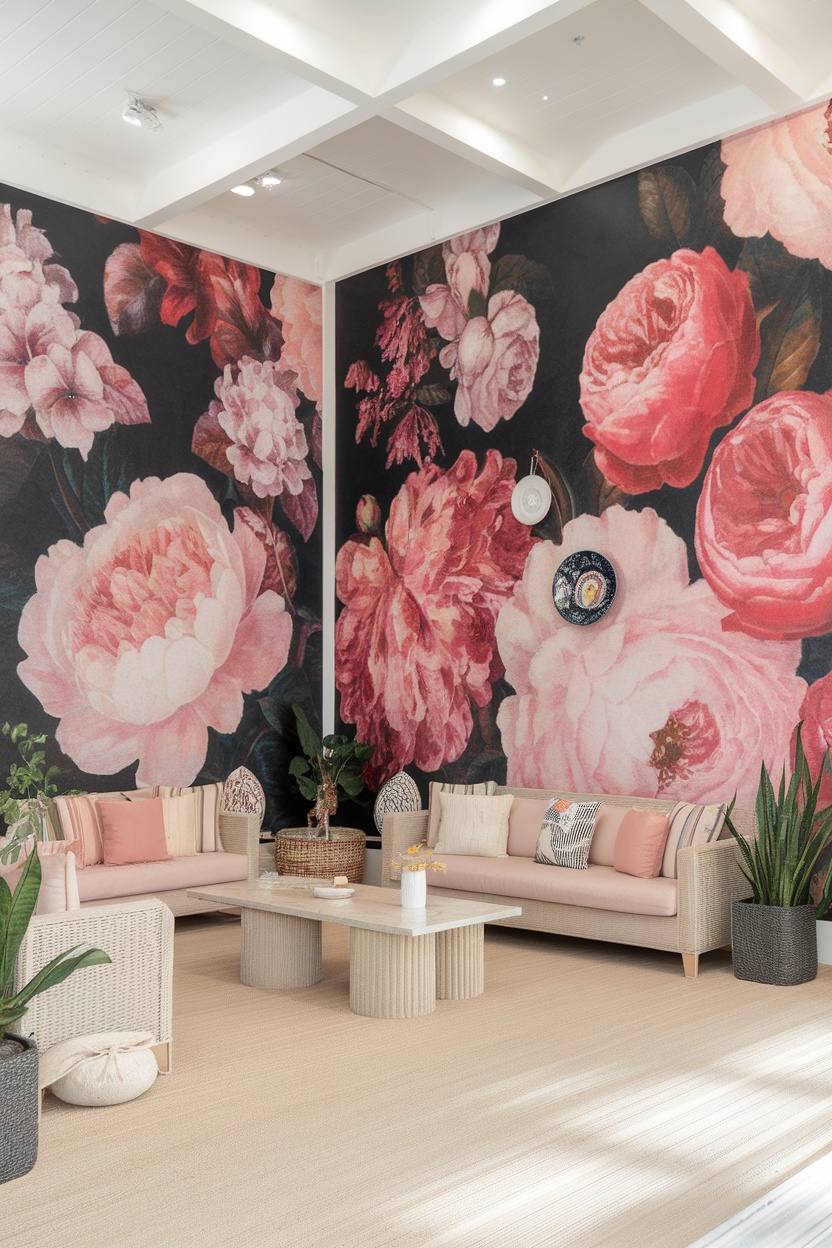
(376,909)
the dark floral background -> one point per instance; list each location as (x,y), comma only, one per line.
(160,475)
(659,348)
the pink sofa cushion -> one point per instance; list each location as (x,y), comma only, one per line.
(639,846)
(601,888)
(102,882)
(133,832)
(602,845)
(524,823)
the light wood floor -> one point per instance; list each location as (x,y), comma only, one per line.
(592,1096)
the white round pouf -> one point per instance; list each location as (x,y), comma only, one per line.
(400,793)
(107,1069)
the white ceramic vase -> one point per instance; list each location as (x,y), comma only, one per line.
(414,890)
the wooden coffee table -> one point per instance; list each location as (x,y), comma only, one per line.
(401,960)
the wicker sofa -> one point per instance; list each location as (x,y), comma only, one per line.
(692,918)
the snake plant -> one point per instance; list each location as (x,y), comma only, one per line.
(791,836)
(16,909)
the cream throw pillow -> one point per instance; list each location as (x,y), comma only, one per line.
(476,790)
(473,825)
(183,824)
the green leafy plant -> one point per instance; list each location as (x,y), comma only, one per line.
(327,765)
(16,910)
(791,835)
(26,802)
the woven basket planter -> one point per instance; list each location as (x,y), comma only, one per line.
(298,851)
(774,944)
(18,1110)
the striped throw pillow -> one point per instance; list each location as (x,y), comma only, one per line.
(209,798)
(566,833)
(182,818)
(81,822)
(689,825)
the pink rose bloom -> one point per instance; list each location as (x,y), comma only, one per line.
(467,268)
(764,518)
(816,714)
(671,359)
(299,306)
(495,361)
(414,644)
(256,411)
(778,180)
(655,698)
(150,633)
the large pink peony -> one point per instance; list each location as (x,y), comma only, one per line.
(654,699)
(494,361)
(299,306)
(256,410)
(764,518)
(414,644)
(150,633)
(671,359)
(778,180)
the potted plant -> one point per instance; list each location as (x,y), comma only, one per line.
(327,768)
(19,1055)
(773,932)
(26,803)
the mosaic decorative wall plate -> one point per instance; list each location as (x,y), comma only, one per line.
(584,587)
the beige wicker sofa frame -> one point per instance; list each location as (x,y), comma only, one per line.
(710,878)
(133,993)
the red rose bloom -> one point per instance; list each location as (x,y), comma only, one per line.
(764,519)
(671,359)
(414,645)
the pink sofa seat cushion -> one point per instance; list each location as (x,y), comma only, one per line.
(601,888)
(101,882)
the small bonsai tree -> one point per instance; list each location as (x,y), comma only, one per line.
(16,909)
(326,765)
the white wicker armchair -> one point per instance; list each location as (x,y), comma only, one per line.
(134,993)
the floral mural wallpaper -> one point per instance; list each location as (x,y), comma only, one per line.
(160,454)
(659,348)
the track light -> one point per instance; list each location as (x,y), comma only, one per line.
(137,113)
(268,179)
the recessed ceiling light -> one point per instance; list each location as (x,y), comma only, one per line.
(545,97)
(242,189)
(270,178)
(498,82)
(137,113)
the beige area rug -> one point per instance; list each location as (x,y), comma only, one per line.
(592,1096)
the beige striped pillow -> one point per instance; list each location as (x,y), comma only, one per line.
(81,822)
(486,789)
(183,824)
(689,825)
(209,797)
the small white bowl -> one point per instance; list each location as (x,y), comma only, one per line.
(333,894)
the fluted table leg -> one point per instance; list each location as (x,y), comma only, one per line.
(392,976)
(280,950)
(460,963)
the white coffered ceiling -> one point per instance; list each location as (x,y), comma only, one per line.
(381,115)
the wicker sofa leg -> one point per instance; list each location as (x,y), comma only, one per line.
(163,1057)
(690,962)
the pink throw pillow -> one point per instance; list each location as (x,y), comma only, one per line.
(524,823)
(58,885)
(639,846)
(604,835)
(133,831)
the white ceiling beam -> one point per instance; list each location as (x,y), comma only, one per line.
(227,238)
(285,132)
(474,140)
(454,41)
(725,35)
(334,64)
(41,175)
(725,113)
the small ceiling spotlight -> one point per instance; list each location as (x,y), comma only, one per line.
(242,189)
(268,179)
(545,97)
(578,40)
(498,82)
(137,113)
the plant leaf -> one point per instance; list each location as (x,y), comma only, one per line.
(433,396)
(302,509)
(786,292)
(669,202)
(428,269)
(17,579)
(529,278)
(17,458)
(713,229)
(595,491)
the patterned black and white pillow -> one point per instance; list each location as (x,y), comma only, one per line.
(566,833)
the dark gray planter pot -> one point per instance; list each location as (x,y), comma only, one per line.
(18,1110)
(774,944)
